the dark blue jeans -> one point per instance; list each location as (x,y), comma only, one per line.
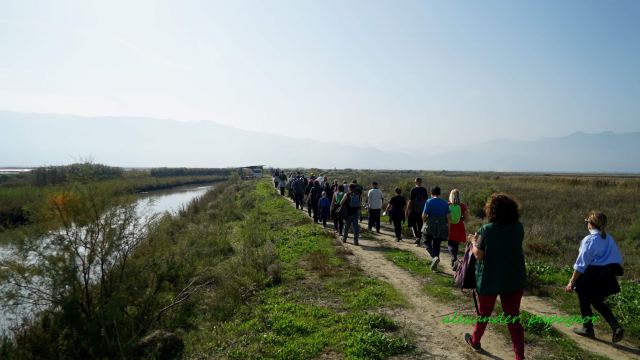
(453,250)
(299,198)
(352,221)
(432,245)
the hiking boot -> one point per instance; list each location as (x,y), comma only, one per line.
(355,242)
(467,339)
(454,265)
(618,334)
(417,242)
(586,332)
(434,263)
(398,239)
(344,239)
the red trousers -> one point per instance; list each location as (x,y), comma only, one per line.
(510,306)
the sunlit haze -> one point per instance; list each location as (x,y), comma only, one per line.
(394,75)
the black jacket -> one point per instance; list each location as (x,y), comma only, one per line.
(599,280)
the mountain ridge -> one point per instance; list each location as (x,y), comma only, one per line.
(33,139)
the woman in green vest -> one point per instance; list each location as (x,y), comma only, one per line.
(500,268)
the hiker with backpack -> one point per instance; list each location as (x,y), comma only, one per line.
(321,180)
(298,191)
(328,189)
(282,182)
(396,209)
(358,188)
(336,212)
(417,198)
(307,191)
(374,202)
(437,218)
(500,268)
(290,186)
(457,231)
(324,205)
(276,178)
(360,191)
(315,193)
(351,203)
(594,277)
(335,185)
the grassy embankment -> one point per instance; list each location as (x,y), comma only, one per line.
(321,305)
(553,209)
(238,274)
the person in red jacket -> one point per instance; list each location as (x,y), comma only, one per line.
(457,231)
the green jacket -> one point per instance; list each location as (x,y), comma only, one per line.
(502,270)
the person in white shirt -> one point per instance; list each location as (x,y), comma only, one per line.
(374,202)
(321,180)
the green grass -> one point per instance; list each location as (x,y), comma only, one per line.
(283,328)
(358,292)
(438,285)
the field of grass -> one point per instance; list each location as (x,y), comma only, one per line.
(553,206)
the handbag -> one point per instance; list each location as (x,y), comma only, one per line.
(465,274)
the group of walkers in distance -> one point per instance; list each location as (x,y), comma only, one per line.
(497,246)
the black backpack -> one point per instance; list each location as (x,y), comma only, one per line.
(298,186)
(315,193)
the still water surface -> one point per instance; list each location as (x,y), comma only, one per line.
(156,202)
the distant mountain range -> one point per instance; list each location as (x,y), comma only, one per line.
(44,139)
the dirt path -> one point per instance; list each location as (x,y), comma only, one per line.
(424,316)
(535,305)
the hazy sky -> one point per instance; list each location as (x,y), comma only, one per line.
(383,73)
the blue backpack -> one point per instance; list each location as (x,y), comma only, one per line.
(354,200)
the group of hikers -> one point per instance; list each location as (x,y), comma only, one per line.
(497,246)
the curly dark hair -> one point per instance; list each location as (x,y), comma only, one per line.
(502,209)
